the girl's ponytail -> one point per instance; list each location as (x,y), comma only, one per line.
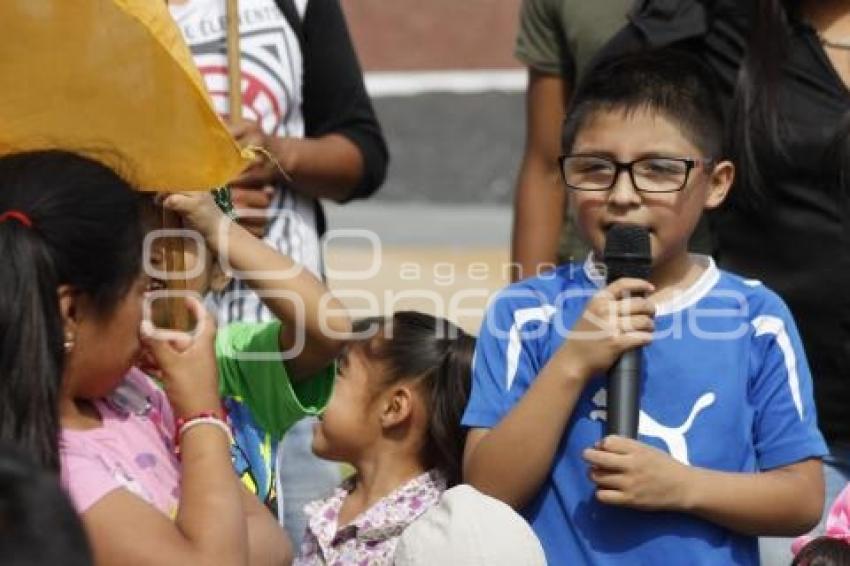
(31,344)
(446,436)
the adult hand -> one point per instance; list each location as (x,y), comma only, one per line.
(264,170)
(632,474)
(251,206)
(186,362)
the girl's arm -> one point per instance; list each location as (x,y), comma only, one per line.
(785,501)
(218,521)
(512,460)
(268,544)
(209,527)
(315,324)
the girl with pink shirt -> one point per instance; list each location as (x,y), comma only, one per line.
(148,471)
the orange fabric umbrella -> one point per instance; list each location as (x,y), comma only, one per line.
(113,80)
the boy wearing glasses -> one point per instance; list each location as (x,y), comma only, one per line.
(728,444)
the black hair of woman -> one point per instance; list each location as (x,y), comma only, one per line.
(82,231)
(438,355)
(756,124)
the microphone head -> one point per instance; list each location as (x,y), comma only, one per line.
(627,252)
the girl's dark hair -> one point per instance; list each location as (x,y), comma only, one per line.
(666,80)
(38,524)
(824,551)
(438,355)
(757,131)
(85,233)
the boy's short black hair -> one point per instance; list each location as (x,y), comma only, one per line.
(668,81)
(38,525)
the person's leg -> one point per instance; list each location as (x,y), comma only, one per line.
(776,551)
(302,478)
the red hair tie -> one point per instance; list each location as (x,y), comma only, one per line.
(16,215)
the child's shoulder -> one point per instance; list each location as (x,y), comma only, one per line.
(758,298)
(237,337)
(549,287)
(534,301)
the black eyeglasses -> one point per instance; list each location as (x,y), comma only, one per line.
(648,174)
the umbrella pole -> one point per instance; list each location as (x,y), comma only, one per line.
(176,313)
(174,246)
(175,262)
(234,69)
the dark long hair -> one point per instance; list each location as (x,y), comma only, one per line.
(85,233)
(757,129)
(38,524)
(438,355)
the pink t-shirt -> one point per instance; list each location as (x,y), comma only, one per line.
(130,451)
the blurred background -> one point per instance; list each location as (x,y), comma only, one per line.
(450,98)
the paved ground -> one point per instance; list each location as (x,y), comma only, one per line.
(452,148)
(443,217)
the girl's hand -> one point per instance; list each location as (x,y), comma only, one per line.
(186,363)
(617,319)
(198,209)
(631,474)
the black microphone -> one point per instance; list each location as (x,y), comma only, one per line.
(627,254)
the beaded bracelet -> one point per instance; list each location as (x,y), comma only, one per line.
(206,417)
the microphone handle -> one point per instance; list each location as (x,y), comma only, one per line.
(624,395)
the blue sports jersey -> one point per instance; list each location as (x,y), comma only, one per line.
(725,385)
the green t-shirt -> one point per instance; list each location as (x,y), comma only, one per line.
(262,402)
(561,37)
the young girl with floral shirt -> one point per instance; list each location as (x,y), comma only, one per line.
(395,416)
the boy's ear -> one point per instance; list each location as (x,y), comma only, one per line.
(397,407)
(720,183)
(218,278)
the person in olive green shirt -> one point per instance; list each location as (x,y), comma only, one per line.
(270,374)
(557,40)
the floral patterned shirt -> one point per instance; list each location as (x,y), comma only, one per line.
(370,539)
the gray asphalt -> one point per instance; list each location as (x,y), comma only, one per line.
(453,163)
(452,148)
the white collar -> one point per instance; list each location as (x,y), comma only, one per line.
(679,301)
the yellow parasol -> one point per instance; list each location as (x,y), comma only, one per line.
(113,80)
